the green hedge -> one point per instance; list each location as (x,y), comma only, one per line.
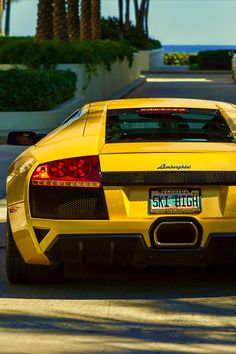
(35,90)
(49,53)
(210,60)
(137,38)
(179,58)
(214,60)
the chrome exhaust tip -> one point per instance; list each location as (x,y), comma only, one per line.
(176,234)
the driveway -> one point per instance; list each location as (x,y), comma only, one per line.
(209,86)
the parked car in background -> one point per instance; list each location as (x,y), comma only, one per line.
(133,182)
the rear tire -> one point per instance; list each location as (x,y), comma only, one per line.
(19,272)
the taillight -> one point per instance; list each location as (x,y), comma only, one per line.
(73,172)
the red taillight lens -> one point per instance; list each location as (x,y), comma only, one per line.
(74,172)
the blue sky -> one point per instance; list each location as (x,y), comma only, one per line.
(170,21)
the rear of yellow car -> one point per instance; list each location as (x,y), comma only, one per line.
(138,182)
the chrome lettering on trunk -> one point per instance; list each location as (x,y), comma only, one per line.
(174,167)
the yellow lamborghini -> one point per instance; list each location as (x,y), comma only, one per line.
(134,182)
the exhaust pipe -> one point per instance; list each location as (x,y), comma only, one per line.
(176,234)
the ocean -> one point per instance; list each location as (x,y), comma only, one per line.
(195,48)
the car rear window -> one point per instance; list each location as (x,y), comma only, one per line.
(166,124)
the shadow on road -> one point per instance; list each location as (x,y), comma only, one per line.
(126,283)
(123,311)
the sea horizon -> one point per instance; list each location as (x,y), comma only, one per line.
(195,48)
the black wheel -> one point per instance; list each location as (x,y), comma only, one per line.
(19,272)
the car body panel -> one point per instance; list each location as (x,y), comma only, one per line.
(203,161)
(127,204)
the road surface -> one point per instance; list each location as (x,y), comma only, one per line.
(207,86)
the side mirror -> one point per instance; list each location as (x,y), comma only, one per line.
(23,138)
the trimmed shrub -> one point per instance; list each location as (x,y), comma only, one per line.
(214,59)
(136,37)
(194,67)
(35,90)
(193,59)
(210,59)
(110,28)
(140,40)
(49,53)
(176,58)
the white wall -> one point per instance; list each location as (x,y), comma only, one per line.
(156,59)
(102,85)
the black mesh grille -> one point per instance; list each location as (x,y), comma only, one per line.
(67,203)
(169,178)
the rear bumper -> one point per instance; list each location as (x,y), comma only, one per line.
(131,250)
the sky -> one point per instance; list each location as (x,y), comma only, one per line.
(170,21)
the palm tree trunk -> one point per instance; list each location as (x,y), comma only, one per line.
(73,18)
(121,21)
(85,20)
(146,18)
(127,16)
(44,21)
(140,13)
(96,19)
(1,13)
(59,20)
(136,9)
(8,17)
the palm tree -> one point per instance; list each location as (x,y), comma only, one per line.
(44,21)
(73,18)
(96,19)
(6,5)
(7,19)
(1,13)
(121,21)
(127,16)
(85,20)
(140,12)
(59,20)
(146,17)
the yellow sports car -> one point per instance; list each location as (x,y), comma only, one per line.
(134,182)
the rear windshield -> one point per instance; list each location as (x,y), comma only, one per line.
(166,124)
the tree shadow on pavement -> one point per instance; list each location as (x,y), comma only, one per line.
(123,310)
(125,283)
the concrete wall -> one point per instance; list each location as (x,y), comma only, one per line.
(43,121)
(104,83)
(156,59)
(101,86)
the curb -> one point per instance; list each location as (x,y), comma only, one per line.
(194,72)
(127,89)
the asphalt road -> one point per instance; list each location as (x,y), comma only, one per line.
(123,310)
(120,311)
(209,86)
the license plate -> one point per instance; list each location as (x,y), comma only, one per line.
(175,201)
